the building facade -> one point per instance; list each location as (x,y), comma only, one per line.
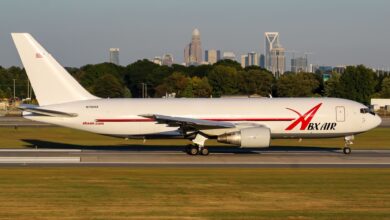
(250,59)
(193,51)
(244,61)
(167,60)
(212,56)
(157,60)
(271,40)
(275,59)
(278,61)
(299,64)
(229,56)
(262,61)
(114,56)
(253,59)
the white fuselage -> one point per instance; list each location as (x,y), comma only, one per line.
(285,117)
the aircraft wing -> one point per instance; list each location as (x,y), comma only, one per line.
(189,123)
(47,112)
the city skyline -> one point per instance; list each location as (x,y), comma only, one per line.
(76,38)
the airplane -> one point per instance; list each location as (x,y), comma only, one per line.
(247,123)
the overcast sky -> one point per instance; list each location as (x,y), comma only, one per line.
(79,32)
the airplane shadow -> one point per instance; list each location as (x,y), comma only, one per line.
(34,143)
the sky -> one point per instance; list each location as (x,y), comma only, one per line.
(80,32)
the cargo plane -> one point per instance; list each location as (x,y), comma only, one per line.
(247,123)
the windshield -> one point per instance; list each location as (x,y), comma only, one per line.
(367,110)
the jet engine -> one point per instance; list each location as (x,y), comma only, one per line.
(254,137)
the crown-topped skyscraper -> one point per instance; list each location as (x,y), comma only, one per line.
(193,51)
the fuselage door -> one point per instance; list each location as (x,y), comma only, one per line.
(340,113)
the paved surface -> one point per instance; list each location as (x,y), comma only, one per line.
(174,158)
(19,122)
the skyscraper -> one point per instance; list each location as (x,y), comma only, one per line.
(250,59)
(299,64)
(262,61)
(229,56)
(219,57)
(253,59)
(114,56)
(278,61)
(212,56)
(275,60)
(244,61)
(193,51)
(271,39)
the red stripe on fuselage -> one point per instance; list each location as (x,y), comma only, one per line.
(209,119)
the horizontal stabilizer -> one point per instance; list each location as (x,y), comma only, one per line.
(46,112)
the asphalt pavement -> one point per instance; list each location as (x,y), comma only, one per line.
(219,157)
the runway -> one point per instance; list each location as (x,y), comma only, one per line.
(217,158)
(305,157)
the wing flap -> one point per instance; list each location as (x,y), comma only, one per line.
(197,124)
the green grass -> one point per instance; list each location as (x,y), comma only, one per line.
(194,193)
(378,138)
(189,193)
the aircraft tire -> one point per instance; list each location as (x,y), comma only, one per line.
(205,151)
(347,150)
(194,150)
(188,149)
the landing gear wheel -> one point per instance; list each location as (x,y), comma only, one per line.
(204,151)
(347,150)
(188,149)
(194,150)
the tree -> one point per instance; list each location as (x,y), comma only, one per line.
(223,80)
(332,86)
(200,71)
(357,83)
(89,74)
(385,91)
(200,87)
(2,94)
(144,71)
(108,86)
(256,81)
(297,85)
(229,63)
(176,83)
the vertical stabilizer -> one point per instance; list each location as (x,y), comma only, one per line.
(52,84)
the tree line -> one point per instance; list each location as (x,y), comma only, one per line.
(225,78)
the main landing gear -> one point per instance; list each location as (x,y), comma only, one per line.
(348,142)
(198,148)
(194,149)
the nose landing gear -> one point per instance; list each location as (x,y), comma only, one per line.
(348,142)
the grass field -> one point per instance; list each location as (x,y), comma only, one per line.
(188,193)
(378,138)
(194,193)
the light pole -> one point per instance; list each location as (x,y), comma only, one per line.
(144,90)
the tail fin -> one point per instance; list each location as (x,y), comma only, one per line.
(52,84)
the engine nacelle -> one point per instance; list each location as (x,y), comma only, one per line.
(256,137)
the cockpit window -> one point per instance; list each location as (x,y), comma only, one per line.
(367,110)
